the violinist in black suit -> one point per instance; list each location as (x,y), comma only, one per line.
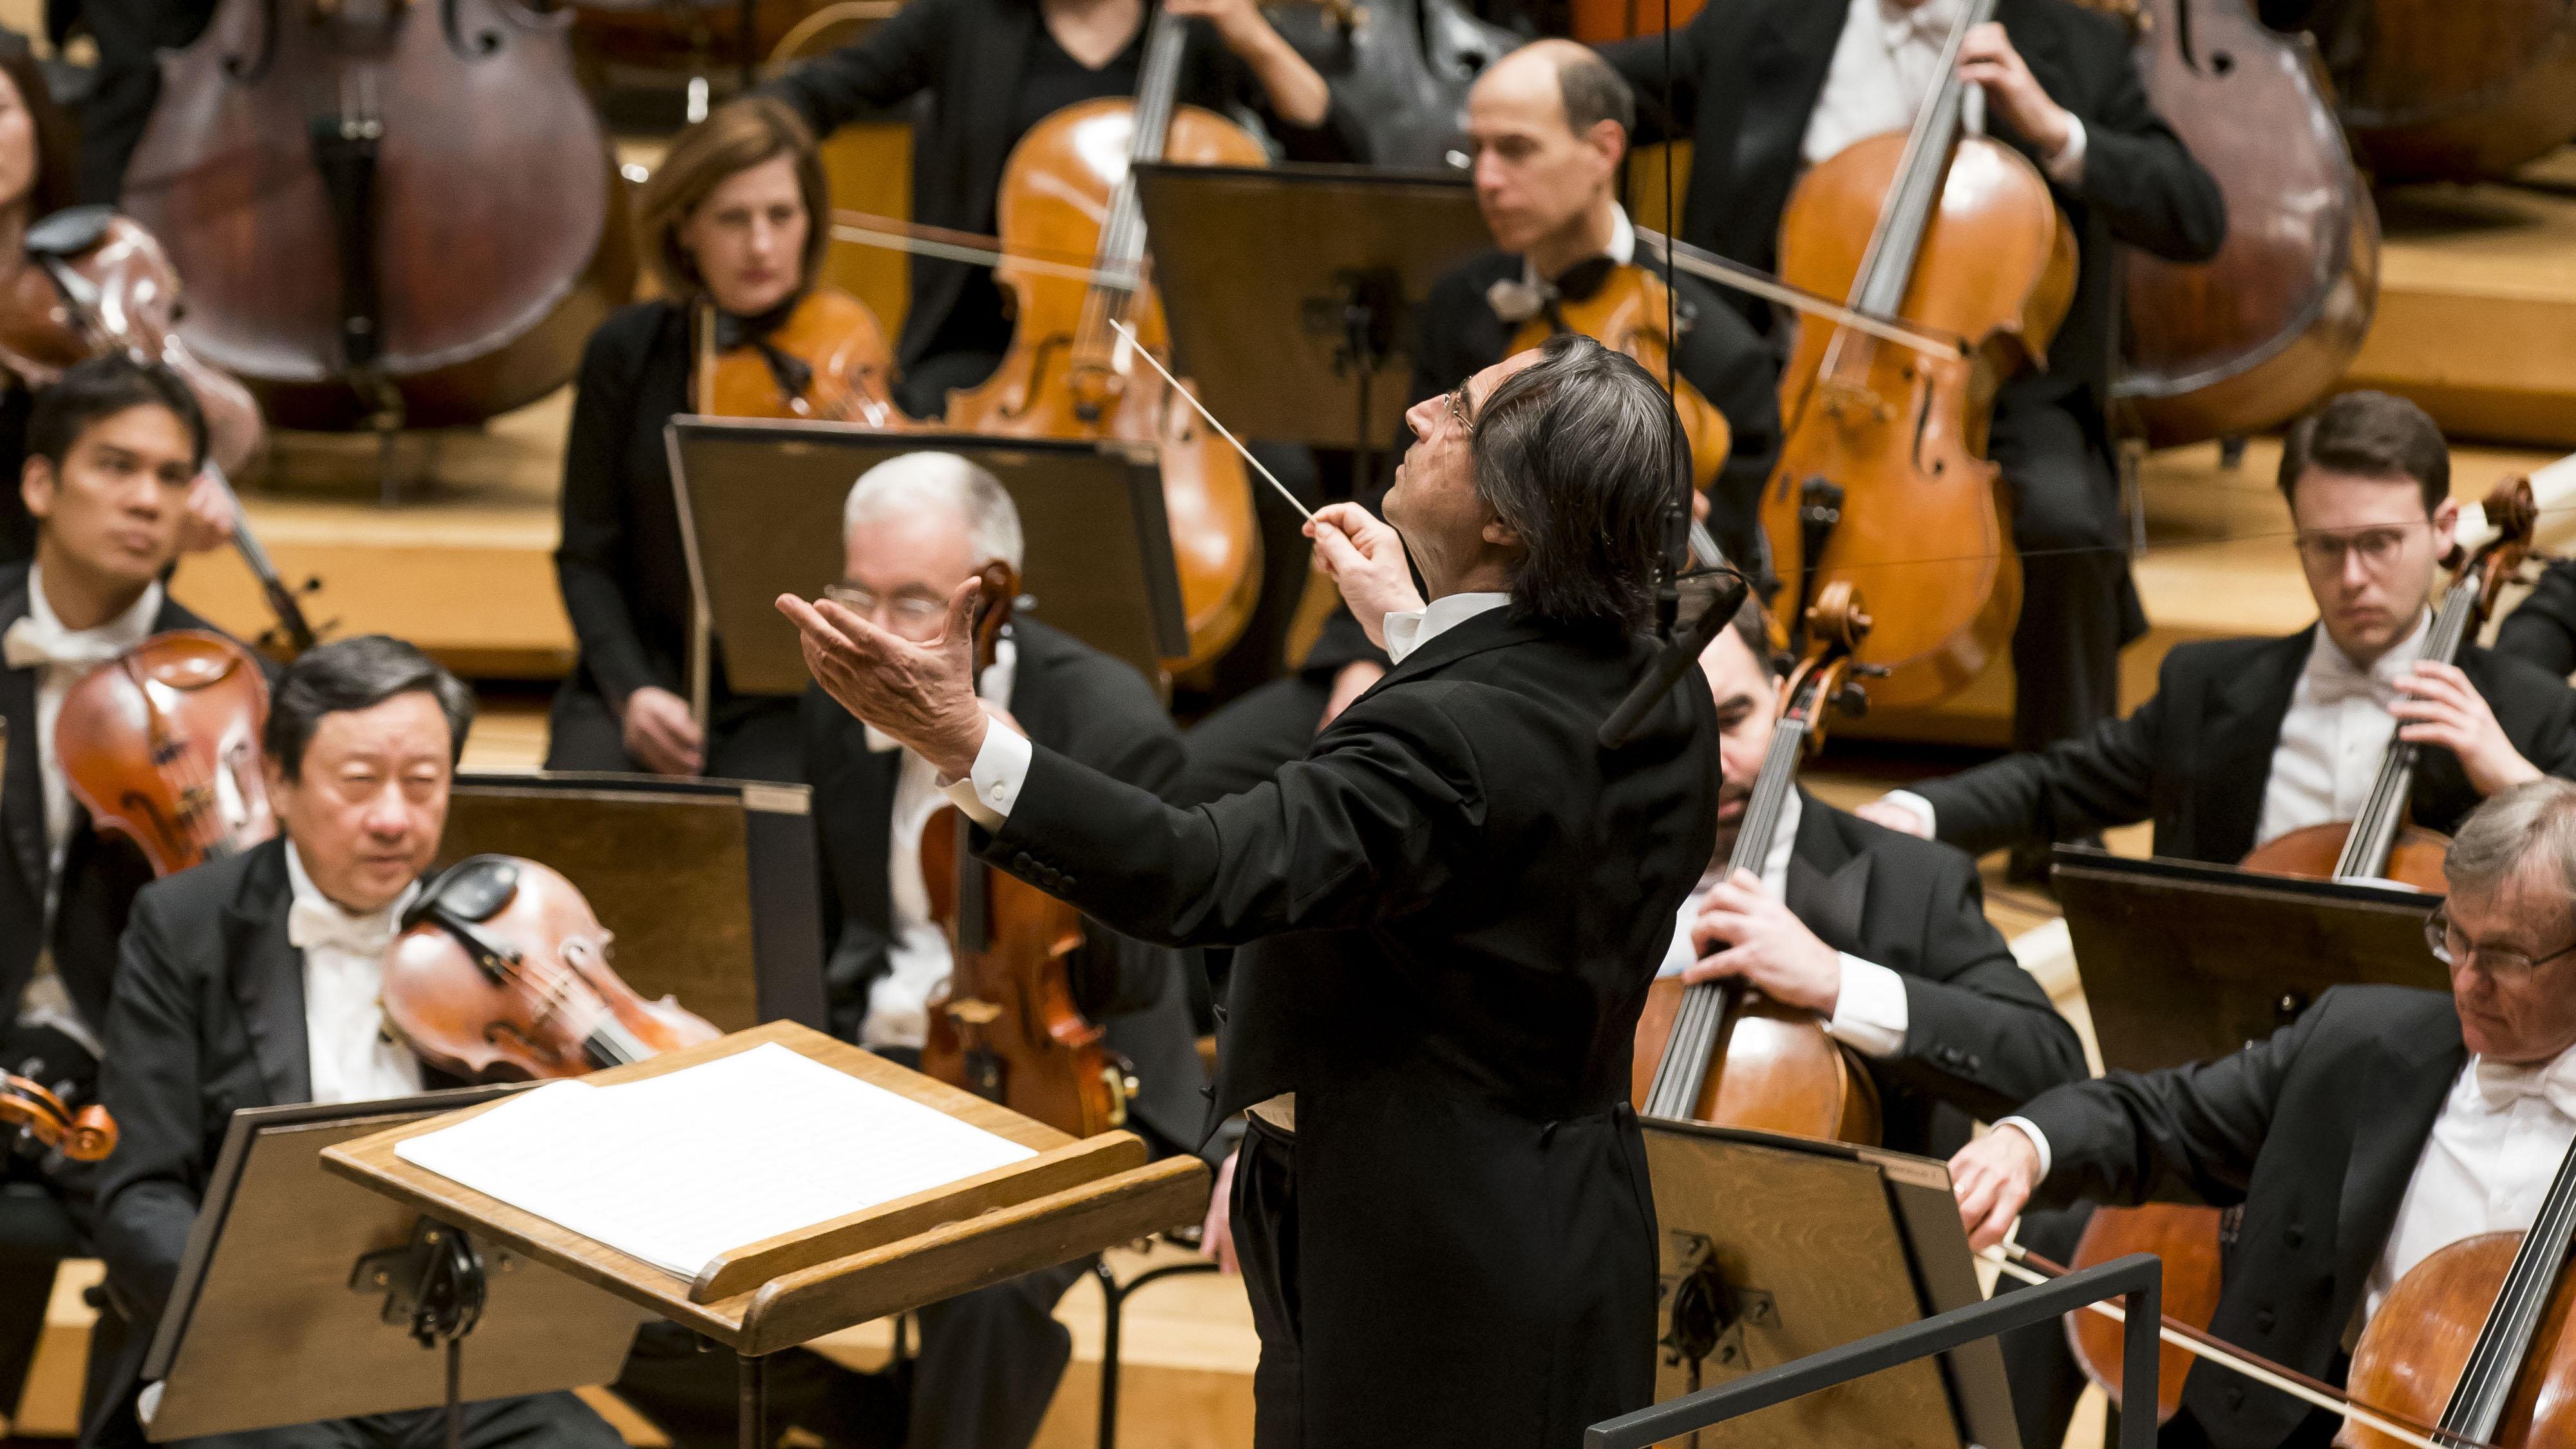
(2542,628)
(252,981)
(113,449)
(1766,88)
(2248,739)
(2381,1126)
(1448,914)
(1882,934)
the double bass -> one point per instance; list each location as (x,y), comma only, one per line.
(1720,1051)
(1069,188)
(388,213)
(2380,844)
(1882,480)
(2441,92)
(1402,67)
(1008,1029)
(2252,337)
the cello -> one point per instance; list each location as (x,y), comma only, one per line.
(2378,845)
(387,213)
(1882,479)
(1721,1052)
(2254,336)
(502,973)
(1069,187)
(1009,1030)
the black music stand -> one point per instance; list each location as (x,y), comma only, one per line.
(724,911)
(1774,1248)
(2185,962)
(760,515)
(297,1298)
(1290,290)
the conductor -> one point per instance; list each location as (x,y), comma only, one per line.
(1450,910)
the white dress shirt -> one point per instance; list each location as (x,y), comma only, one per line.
(2484,1168)
(918,961)
(1870,1014)
(60,657)
(352,1056)
(1886,61)
(2332,736)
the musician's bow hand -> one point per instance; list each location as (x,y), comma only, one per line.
(2441,707)
(922,694)
(1987,58)
(1746,933)
(1366,559)
(209,521)
(1895,816)
(1993,1177)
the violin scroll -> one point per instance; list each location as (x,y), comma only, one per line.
(86,1134)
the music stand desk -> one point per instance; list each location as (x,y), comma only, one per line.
(1074,1198)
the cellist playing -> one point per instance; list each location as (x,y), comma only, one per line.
(2383,1125)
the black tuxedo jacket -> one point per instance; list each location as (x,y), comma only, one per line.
(2542,628)
(969,56)
(1093,709)
(1745,82)
(2315,1133)
(1449,912)
(101,872)
(2195,759)
(1981,1037)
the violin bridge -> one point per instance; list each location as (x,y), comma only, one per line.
(973,1012)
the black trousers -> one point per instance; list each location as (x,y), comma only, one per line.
(539,1421)
(1264,1217)
(2078,604)
(750,738)
(2038,1365)
(37,1231)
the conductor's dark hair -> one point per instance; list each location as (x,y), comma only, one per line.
(2372,435)
(97,388)
(1575,453)
(355,674)
(1594,92)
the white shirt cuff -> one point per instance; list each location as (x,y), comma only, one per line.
(992,787)
(2066,168)
(1870,1013)
(1921,807)
(2038,1139)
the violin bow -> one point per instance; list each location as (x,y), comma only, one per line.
(2029,1267)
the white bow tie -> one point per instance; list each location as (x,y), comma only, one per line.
(2504,1083)
(2335,680)
(28,644)
(1929,21)
(315,925)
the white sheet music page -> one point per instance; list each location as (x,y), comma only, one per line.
(681,1168)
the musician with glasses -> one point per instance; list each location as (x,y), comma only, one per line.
(2249,739)
(2381,1126)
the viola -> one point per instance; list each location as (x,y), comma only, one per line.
(1882,479)
(827,362)
(503,973)
(1721,1052)
(41,1120)
(100,282)
(1068,188)
(1008,1029)
(161,745)
(1629,313)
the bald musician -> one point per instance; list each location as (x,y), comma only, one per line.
(2379,1127)
(1453,905)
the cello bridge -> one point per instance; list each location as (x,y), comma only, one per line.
(1852,404)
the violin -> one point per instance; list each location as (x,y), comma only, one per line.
(42,1122)
(1009,1030)
(1629,314)
(1882,478)
(161,745)
(1722,1052)
(1069,187)
(2378,845)
(827,362)
(502,973)
(2257,334)
(100,282)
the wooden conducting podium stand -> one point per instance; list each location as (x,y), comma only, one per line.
(1070,1199)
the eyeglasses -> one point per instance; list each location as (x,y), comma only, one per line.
(2451,945)
(1458,410)
(913,613)
(2325,550)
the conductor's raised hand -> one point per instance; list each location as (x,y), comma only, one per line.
(1365,558)
(922,694)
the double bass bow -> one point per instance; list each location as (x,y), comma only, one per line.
(1719,1051)
(1882,478)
